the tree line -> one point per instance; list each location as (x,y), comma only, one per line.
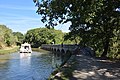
(95,23)
(6,37)
(9,38)
(35,37)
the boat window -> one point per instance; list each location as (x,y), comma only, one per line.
(26,47)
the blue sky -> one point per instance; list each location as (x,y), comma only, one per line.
(20,15)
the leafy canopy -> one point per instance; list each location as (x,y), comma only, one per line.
(39,36)
(6,37)
(96,22)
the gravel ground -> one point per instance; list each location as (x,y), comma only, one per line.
(82,67)
(88,68)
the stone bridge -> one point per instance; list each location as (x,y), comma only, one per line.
(72,48)
(63,48)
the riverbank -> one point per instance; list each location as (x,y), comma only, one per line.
(8,50)
(64,71)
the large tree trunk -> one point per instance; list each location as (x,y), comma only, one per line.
(106,47)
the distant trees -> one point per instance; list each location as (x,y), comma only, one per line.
(6,37)
(72,37)
(36,37)
(39,36)
(96,22)
(19,36)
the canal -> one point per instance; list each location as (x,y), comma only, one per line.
(28,66)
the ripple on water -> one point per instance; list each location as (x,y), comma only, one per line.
(35,66)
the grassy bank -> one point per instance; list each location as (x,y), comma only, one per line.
(8,50)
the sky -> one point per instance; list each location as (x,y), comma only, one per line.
(21,16)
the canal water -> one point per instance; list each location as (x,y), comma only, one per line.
(28,66)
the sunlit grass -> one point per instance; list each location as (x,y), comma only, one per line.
(10,50)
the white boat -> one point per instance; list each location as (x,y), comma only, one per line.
(25,48)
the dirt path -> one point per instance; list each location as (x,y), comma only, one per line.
(95,69)
(86,68)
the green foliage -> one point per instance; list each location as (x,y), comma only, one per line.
(115,45)
(10,50)
(19,36)
(72,37)
(92,21)
(39,36)
(6,37)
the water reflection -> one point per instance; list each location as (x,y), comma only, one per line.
(25,55)
(25,60)
(56,60)
(25,66)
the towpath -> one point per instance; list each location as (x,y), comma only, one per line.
(95,69)
(82,67)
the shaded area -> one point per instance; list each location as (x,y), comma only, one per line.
(94,69)
(81,67)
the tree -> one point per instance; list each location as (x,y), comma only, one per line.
(74,38)
(94,20)
(6,37)
(19,36)
(37,37)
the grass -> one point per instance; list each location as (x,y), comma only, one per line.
(8,50)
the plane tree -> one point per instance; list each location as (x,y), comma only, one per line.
(97,22)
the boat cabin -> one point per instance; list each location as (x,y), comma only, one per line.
(25,48)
